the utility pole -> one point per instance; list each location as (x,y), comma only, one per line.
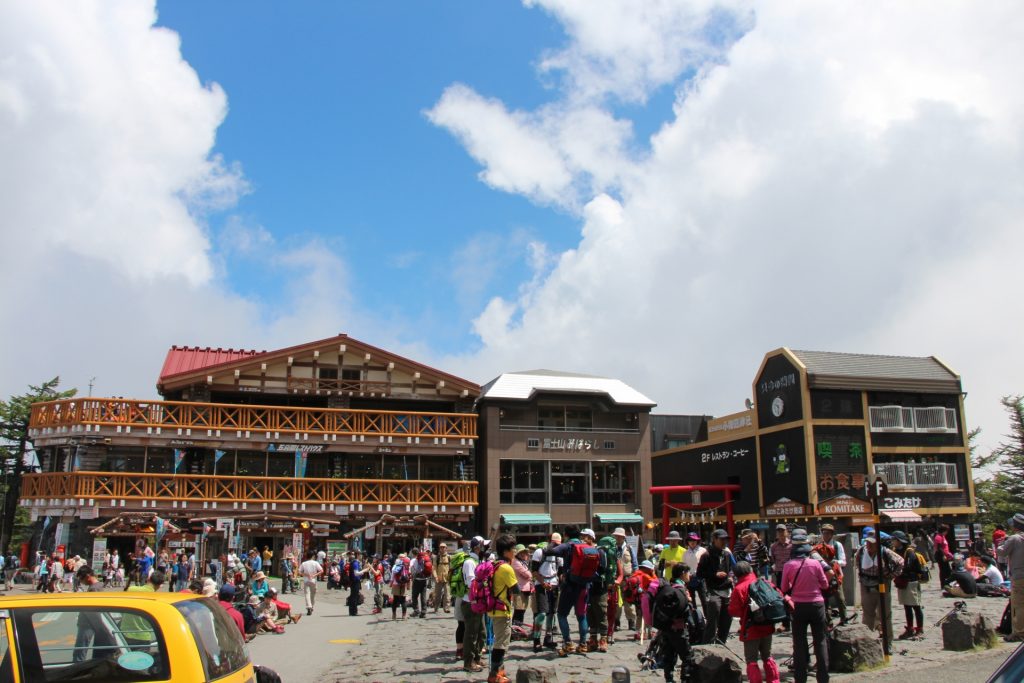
(92,381)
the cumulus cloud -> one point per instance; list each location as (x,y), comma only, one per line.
(830,179)
(106,181)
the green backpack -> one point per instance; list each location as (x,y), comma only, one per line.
(456,581)
(611,557)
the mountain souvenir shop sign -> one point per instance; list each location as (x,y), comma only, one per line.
(784,507)
(844,505)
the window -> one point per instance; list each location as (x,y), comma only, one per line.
(217,637)
(109,644)
(400,467)
(569,482)
(328,373)
(250,464)
(609,445)
(435,468)
(578,418)
(533,443)
(522,482)
(124,459)
(282,464)
(552,418)
(614,482)
(363,466)
(159,460)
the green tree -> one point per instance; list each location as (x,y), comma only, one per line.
(1001,495)
(15,445)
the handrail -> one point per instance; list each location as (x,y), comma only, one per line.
(115,412)
(222,489)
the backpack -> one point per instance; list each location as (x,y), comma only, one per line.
(670,605)
(766,604)
(585,564)
(265,675)
(456,581)
(400,574)
(426,565)
(611,562)
(632,588)
(924,575)
(481,592)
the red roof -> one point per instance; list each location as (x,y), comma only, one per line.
(181,359)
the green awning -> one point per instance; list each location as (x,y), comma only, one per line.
(619,518)
(526,519)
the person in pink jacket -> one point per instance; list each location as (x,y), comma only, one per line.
(804,580)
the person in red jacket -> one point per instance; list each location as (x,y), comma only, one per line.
(756,638)
(226,598)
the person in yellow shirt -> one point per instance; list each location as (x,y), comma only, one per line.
(671,555)
(503,587)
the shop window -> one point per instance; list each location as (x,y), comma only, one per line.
(614,483)
(363,465)
(400,467)
(252,464)
(569,482)
(160,460)
(522,482)
(282,464)
(435,469)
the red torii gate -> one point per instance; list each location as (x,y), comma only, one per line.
(727,489)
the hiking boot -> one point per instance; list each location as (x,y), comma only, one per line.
(537,647)
(919,632)
(907,633)
(499,677)
(602,645)
(631,623)
(566,649)
(550,642)
(309,610)
(458,654)
(584,648)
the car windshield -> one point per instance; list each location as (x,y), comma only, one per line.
(220,644)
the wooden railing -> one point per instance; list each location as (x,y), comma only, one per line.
(221,489)
(71,414)
(340,386)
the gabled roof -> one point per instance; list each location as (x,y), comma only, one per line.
(524,385)
(827,369)
(183,363)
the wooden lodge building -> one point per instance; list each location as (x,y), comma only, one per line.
(820,427)
(312,440)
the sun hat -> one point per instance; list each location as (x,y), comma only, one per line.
(719,533)
(1017,520)
(659,547)
(781,527)
(827,527)
(520,548)
(588,532)
(209,587)
(693,536)
(799,536)
(258,576)
(673,536)
(254,599)
(901,537)
(619,531)
(646,564)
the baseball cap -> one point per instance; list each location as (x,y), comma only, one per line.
(588,532)
(226,593)
(827,527)
(556,537)
(475,541)
(781,527)
(719,533)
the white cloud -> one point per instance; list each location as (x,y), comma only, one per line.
(835,179)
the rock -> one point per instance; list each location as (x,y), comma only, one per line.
(958,631)
(536,674)
(854,647)
(984,632)
(716,664)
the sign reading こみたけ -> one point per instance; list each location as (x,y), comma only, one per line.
(784,507)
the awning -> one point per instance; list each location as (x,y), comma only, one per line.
(619,518)
(901,516)
(526,519)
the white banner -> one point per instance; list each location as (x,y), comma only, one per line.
(99,553)
(297,546)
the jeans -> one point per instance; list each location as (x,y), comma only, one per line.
(809,614)
(419,596)
(287,584)
(569,598)
(718,619)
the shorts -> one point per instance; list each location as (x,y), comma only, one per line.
(502,632)
(543,601)
(910,596)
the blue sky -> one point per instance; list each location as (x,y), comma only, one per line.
(326,105)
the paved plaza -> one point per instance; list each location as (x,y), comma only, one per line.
(332,647)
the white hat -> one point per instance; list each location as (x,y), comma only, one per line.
(588,532)
(619,531)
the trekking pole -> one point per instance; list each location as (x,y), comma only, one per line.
(643,629)
(886,649)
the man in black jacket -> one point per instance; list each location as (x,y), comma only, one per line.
(671,606)
(715,569)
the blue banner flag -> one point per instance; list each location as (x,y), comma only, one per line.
(179,455)
(217,455)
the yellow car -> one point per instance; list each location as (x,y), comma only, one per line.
(122,636)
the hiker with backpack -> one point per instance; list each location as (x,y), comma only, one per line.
(833,552)
(670,615)
(908,584)
(399,586)
(582,563)
(597,600)
(630,563)
(715,570)
(545,570)
(491,593)
(421,569)
(442,575)
(759,606)
(354,571)
(524,579)
(635,592)
(804,581)
(457,588)
(474,631)
(877,566)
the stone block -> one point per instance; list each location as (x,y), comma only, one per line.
(958,632)
(716,664)
(854,647)
(536,674)
(984,632)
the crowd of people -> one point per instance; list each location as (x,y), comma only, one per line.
(669,596)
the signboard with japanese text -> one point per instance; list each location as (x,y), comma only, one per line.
(830,404)
(840,460)
(777,393)
(784,465)
(728,462)
(99,554)
(576,444)
(784,507)
(844,505)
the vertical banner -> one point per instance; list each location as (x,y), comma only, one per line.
(99,554)
(179,455)
(217,455)
(159,526)
(301,456)
(297,546)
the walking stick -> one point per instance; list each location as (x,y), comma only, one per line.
(886,649)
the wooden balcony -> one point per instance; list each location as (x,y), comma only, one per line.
(133,486)
(91,414)
(349,387)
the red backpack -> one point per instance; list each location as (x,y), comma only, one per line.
(426,566)
(632,587)
(585,562)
